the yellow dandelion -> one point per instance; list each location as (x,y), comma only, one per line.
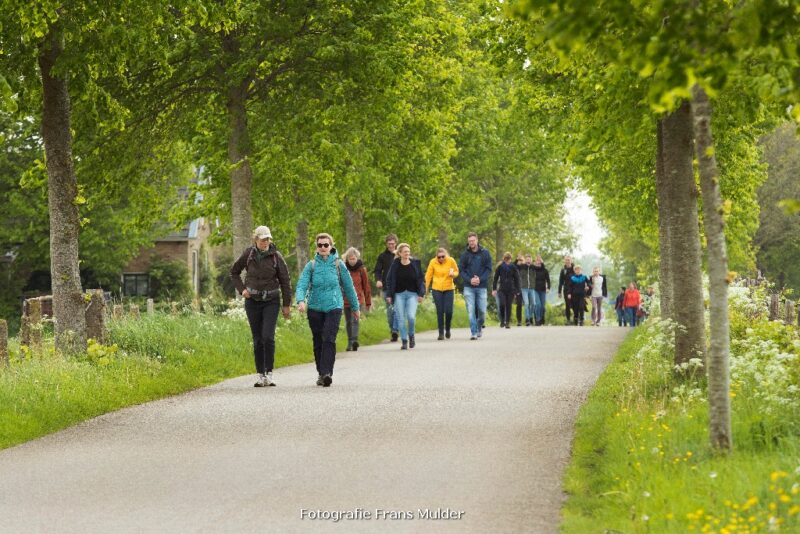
(785,498)
(775,475)
(794,509)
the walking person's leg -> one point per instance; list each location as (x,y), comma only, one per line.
(411,317)
(470,298)
(526,301)
(541,309)
(330,329)
(400,311)
(438,301)
(255,318)
(316,322)
(348,327)
(390,318)
(268,324)
(480,305)
(518,304)
(568,308)
(631,316)
(448,297)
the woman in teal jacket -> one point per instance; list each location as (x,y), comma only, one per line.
(321,285)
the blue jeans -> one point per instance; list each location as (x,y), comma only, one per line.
(405,307)
(630,311)
(444,309)
(529,298)
(541,299)
(622,318)
(475,298)
(391,317)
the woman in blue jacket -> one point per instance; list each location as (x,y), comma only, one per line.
(405,288)
(321,285)
(580,285)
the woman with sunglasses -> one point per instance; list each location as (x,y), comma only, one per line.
(439,279)
(322,284)
(405,288)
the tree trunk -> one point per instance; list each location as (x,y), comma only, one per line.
(62,191)
(3,343)
(687,298)
(95,317)
(301,245)
(499,242)
(238,152)
(444,239)
(717,364)
(665,281)
(353,227)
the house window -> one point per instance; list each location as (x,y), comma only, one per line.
(135,284)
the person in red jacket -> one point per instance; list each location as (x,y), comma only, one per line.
(352,259)
(631,303)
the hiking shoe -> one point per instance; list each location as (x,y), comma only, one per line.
(508,325)
(394,336)
(411,343)
(480,334)
(261,381)
(447,334)
(472,338)
(440,338)
(519,323)
(348,348)
(355,346)
(404,346)
(319,380)
(327,381)
(268,380)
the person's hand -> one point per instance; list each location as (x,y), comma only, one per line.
(246,294)
(301,307)
(569,296)
(287,312)
(452,272)
(389,301)
(357,315)
(379,284)
(419,299)
(475,280)
(494,292)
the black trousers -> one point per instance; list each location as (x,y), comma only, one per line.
(579,306)
(520,304)
(444,309)
(324,328)
(568,305)
(506,299)
(263,317)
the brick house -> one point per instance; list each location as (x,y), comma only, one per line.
(185,246)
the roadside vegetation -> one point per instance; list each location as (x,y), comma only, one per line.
(641,456)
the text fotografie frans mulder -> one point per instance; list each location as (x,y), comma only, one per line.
(381,514)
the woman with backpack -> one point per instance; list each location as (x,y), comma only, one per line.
(506,285)
(321,289)
(352,260)
(405,289)
(266,283)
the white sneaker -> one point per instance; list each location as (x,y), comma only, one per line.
(268,380)
(261,381)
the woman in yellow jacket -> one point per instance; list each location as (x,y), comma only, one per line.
(439,278)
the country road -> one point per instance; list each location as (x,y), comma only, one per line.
(451,436)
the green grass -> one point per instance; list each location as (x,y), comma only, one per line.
(155,356)
(642,463)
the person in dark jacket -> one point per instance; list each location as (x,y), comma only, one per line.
(579,286)
(352,260)
(405,289)
(266,282)
(563,285)
(518,301)
(541,287)
(619,307)
(385,260)
(475,267)
(527,288)
(505,284)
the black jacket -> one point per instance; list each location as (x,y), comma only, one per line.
(527,277)
(564,279)
(391,278)
(385,260)
(269,274)
(506,278)
(542,278)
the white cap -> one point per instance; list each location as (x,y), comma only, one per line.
(262,232)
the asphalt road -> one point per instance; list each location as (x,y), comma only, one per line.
(451,436)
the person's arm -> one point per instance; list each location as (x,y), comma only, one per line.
(302,288)
(463,269)
(547,286)
(285,281)
(236,271)
(367,287)
(487,267)
(605,287)
(429,274)
(495,278)
(454,266)
(561,280)
(420,280)
(349,287)
(388,286)
(517,281)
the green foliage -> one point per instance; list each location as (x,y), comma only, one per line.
(169,280)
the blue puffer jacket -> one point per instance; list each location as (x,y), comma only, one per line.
(323,291)
(475,263)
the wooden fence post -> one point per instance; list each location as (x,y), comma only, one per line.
(31,327)
(789,312)
(774,310)
(119,310)
(3,343)
(134,310)
(150,307)
(96,317)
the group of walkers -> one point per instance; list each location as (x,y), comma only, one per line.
(330,286)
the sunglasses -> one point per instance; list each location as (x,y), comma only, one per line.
(440,257)
(323,245)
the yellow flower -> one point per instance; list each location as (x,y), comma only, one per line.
(775,475)
(785,498)
(794,509)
